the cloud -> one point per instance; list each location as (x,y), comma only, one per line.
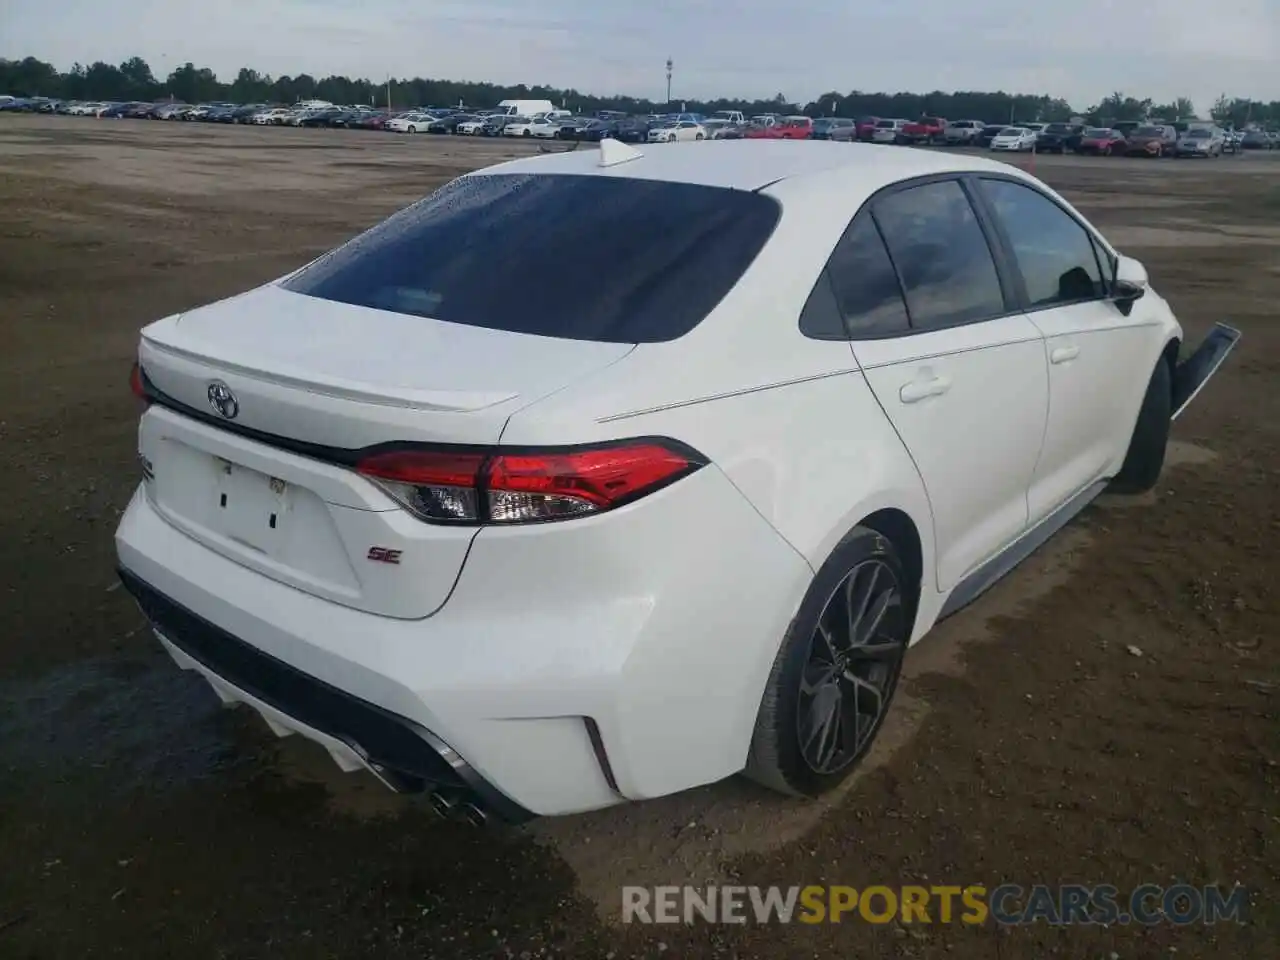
(1081,50)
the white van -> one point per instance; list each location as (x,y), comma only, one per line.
(526,108)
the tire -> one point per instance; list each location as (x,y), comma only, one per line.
(411,129)
(1145,457)
(699,137)
(526,133)
(865,567)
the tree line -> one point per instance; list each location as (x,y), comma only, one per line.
(134,80)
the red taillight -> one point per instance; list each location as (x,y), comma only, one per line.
(528,486)
(137,384)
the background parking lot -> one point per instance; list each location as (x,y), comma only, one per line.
(1108,714)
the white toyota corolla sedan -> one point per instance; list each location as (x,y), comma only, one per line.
(535,548)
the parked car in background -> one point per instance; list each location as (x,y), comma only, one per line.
(448,123)
(1152,141)
(1199,142)
(569,127)
(273,116)
(729,116)
(594,130)
(722,129)
(1102,141)
(472,126)
(548,128)
(632,130)
(791,128)
(411,122)
(323,117)
(866,128)
(962,133)
(989,133)
(1060,138)
(679,131)
(518,127)
(826,128)
(923,131)
(1256,140)
(373,120)
(887,130)
(1126,127)
(1014,140)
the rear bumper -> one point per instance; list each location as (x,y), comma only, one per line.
(357,734)
(574,666)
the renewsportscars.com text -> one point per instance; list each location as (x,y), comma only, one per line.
(973,904)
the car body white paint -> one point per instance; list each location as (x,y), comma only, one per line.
(1015,139)
(500,639)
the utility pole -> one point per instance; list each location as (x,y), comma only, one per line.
(670,66)
(388,93)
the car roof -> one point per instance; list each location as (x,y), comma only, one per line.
(751,165)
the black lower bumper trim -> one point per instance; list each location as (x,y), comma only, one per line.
(405,755)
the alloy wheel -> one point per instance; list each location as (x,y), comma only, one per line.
(852,664)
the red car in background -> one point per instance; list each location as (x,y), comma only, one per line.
(924,130)
(1102,141)
(866,126)
(788,128)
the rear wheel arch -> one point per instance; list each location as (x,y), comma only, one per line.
(898,527)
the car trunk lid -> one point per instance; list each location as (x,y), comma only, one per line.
(268,479)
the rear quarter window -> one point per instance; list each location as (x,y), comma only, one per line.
(648,259)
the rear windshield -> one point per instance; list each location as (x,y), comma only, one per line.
(497,250)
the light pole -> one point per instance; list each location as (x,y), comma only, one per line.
(670,65)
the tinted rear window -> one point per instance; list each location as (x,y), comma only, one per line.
(648,259)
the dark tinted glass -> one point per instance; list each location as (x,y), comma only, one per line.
(489,250)
(941,253)
(1054,253)
(821,317)
(865,285)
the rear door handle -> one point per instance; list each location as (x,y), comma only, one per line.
(922,389)
(1063,354)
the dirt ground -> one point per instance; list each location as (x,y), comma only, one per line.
(1029,744)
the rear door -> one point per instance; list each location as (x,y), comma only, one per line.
(958,369)
(1099,358)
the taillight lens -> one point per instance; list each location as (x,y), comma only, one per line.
(137,385)
(434,485)
(527,486)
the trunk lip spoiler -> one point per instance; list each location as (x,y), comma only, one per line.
(1191,374)
(412,399)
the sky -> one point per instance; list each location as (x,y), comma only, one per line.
(1080,50)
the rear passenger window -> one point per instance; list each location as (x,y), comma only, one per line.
(1055,254)
(864,282)
(942,255)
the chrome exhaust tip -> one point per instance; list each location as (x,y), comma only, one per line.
(474,815)
(442,804)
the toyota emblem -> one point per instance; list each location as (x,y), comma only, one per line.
(223,401)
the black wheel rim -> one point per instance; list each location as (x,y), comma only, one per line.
(853,661)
